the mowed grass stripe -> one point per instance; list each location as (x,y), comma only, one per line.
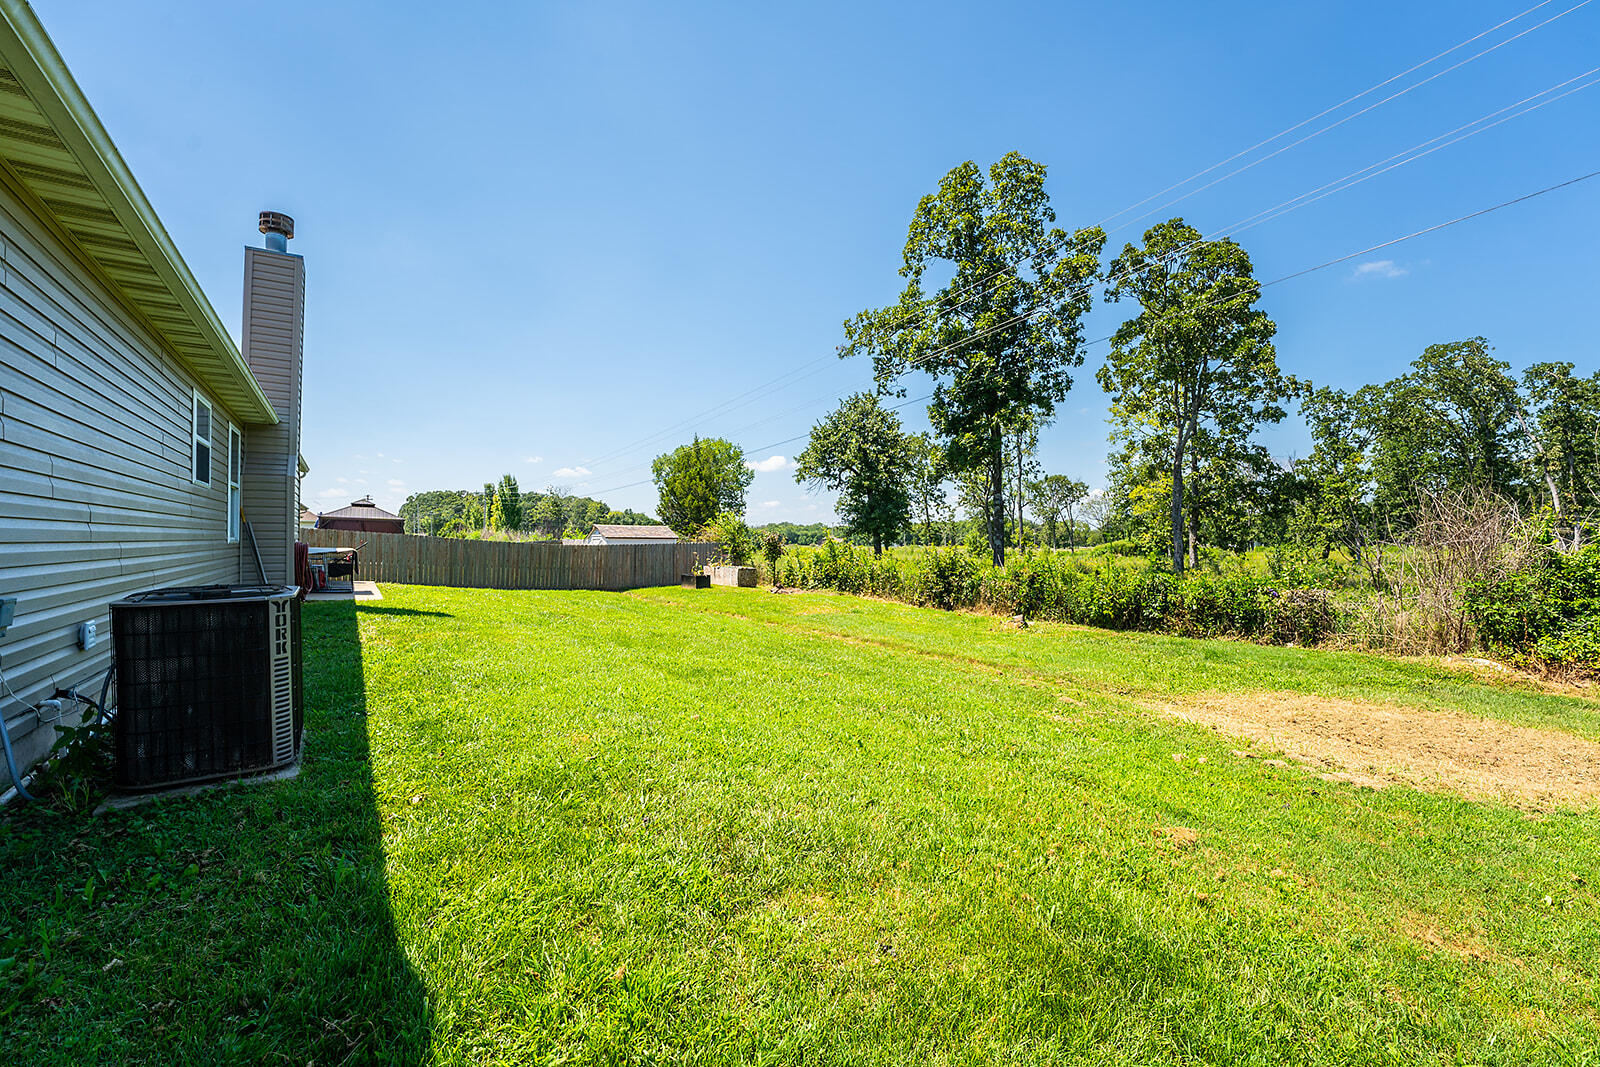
(1156,665)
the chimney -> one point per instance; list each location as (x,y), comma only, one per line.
(273,348)
(279,229)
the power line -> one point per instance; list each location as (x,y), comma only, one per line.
(1394,241)
(1438,226)
(1327,111)
(1412,154)
(1250,293)
(1358,114)
(928,305)
(1396,160)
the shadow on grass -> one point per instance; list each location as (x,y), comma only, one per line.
(243,925)
(380,609)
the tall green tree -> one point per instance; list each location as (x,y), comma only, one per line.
(1451,423)
(1194,373)
(1472,403)
(506,513)
(548,515)
(1401,455)
(698,481)
(473,515)
(1563,424)
(434,509)
(1053,496)
(1337,482)
(1001,336)
(1022,465)
(929,488)
(859,452)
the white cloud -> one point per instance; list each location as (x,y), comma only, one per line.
(330,494)
(342,481)
(396,483)
(1380,268)
(571,472)
(767,504)
(533,459)
(771,463)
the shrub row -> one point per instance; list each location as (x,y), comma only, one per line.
(1047,586)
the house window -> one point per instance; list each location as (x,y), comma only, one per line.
(200,468)
(235,476)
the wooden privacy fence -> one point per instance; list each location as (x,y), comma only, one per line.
(412,560)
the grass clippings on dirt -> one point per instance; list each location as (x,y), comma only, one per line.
(1376,744)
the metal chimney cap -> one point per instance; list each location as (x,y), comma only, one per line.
(277,222)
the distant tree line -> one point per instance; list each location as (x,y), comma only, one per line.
(795,534)
(502,508)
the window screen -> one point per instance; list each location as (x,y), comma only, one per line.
(202,440)
(235,476)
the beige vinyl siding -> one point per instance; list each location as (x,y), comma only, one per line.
(96,499)
(274,313)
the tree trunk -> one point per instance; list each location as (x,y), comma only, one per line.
(1194,516)
(877,543)
(1021,540)
(1071,536)
(1177,514)
(1544,461)
(997,498)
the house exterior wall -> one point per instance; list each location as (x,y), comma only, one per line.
(274,329)
(96,498)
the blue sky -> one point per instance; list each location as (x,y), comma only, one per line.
(537,235)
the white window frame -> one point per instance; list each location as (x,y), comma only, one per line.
(196,441)
(235,477)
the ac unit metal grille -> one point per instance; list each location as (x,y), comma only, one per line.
(206,688)
(282,684)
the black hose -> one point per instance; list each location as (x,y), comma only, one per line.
(105,691)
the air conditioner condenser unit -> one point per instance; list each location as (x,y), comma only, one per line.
(208,683)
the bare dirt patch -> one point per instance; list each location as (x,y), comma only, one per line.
(1430,933)
(1181,836)
(1383,744)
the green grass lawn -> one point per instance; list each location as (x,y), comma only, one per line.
(730,827)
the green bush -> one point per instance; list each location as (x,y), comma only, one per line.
(736,542)
(1547,613)
(948,579)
